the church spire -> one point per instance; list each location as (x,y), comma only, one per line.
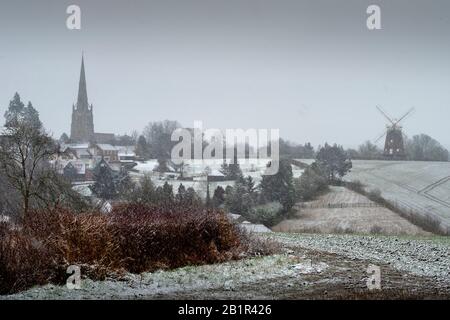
(82,102)
(82,128)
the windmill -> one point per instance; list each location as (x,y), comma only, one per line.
(394,147)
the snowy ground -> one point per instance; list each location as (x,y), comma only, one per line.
(422,256)
(419,186)
(423,187)
(309,267)
(344,211)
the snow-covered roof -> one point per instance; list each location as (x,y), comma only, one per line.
(68,150)
(106,147)
(235,217)
(83,152)
(83,189)
(127,154)
(80,166)
(77,145)
(216,173)
(250,227)
(126,150)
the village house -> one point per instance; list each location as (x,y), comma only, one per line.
(106,151)
(126,153)
(80,150)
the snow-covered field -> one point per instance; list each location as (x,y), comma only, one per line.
(344,211)
(423,187)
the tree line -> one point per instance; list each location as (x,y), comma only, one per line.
(420,147)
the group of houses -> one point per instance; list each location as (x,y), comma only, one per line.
(76,161)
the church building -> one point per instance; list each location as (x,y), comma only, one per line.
(82,128)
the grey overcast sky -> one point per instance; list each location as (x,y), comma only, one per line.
(310,68)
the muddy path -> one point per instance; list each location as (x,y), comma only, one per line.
(343,278)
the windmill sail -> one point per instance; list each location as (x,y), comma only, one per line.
(394,146)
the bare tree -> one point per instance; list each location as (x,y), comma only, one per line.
(24,154)
(9,198)
(158,137)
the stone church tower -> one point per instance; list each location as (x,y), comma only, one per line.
(82,128)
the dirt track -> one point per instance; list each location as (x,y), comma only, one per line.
(345,276)
(344,279)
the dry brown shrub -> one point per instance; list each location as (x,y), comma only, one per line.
(133,238)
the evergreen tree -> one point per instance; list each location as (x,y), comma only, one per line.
(31,116)
(181,194)
(280,187)
(238,200)
(104,186)
(64,138)
(334,162)
(224,168)
(124,185)
(159,195)
(309,151)
(142,150)
(147,190)
(70,172)
(250,185)
(233,170)
(218,197)
(167,193)
(208,196)
(192,199)
(311,184)
(17,113)
(162,166)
